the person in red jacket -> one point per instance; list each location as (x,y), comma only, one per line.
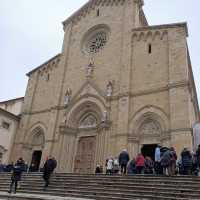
(140,162)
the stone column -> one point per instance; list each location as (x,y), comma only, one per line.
(67,148)
(133,145)
(103,142)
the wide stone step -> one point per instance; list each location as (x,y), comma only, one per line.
(119,195)
(110,187)
(115,189)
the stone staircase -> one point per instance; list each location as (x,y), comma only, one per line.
(102,187)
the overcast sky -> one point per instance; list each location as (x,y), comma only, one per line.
(31,33)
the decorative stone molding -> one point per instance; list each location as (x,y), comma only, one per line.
(116,97)
(149,35)
(161,28)
(63,129)
(104,125)
(47,66)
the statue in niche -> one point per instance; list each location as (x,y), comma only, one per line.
(68,95)
(104,116)
(90,69)
(109,89)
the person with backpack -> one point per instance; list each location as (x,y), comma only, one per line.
(165,162)
(186,157)
(17,170)
(48,169)
(109,166)
(148,165)
(115,165)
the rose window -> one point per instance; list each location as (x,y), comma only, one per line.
(97,42)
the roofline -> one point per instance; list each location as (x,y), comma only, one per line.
(193,82)
(18,98)
(76,12)
(9,114)
(40,66)
(164,26)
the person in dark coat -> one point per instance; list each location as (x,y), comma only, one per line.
(198,156)
(48,169)
(132,167)
(148,165)
(172,166)
(186,157)
(16,174)
(123,161)
(165,162)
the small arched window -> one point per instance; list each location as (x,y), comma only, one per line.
(149,48)
(98,12)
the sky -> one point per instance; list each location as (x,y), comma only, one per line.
(31,32)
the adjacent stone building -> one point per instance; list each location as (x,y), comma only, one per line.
(9,121)
(118,83)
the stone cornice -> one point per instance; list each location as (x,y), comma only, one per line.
(9,115)
(55,58)
(163,26)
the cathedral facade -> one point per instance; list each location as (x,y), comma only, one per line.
(118,83)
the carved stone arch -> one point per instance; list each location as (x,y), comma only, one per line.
(151,113)
(134,37)
(157,35)
(91,105)
(141,37)
(149,36)
(164,35)
(36,136)
(88,120)
(149,125)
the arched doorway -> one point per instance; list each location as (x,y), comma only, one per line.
(86,147)
(150,136)
(37,145)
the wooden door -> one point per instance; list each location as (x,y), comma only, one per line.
(85,157)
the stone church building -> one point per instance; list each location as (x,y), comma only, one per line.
(117,83)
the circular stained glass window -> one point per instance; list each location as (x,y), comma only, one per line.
(97,42)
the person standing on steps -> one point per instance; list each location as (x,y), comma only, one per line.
(16,175)
(140,162)
(157,165)
(186,157)
(123,161)
(172,166)
(48,169)
(198,156)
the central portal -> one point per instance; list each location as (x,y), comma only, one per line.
(149,150)
(85,157)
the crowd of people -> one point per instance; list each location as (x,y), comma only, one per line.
(165,162)
(20,166)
